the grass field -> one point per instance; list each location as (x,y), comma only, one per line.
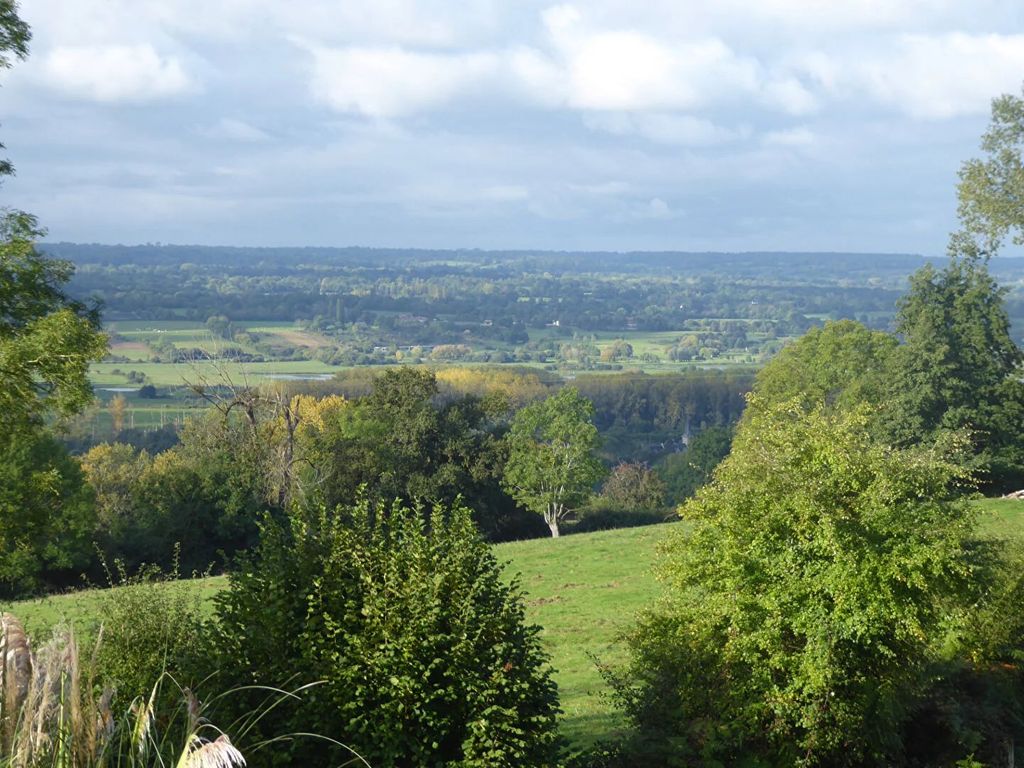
(582,590)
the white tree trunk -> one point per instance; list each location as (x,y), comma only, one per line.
(551,518)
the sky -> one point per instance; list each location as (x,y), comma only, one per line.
(726,125)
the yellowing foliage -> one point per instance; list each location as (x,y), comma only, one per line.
(520,388)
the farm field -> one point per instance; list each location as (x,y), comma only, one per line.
(583,591)
(130,340)
(176,374)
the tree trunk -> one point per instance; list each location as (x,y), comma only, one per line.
(551,518)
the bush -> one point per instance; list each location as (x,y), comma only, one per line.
(151,625)
(603,518)
(422,647)
(821,579)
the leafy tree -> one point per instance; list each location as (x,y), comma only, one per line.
(205,495)
(400,442)
(958,369)
(118,408)
(551,465)
(842,363)
(47,517)
(422,645)
(991,189)
(816,582)
(633,487)
(117,473)
(47,340)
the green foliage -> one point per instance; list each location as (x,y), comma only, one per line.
(205,495)
(47,517)
(958,369)
(551,466)
(806,600)
(151,626)
(687,471)
(842,364)
(47,341)
(423,648)
(401,441)
(991,189)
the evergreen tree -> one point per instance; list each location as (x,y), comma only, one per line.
(958,369)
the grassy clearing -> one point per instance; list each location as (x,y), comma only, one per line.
(582,590)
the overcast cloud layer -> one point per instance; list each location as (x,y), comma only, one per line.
(607,124)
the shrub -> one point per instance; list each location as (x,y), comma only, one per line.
(150,626)
(605,518)
(423,648)
(819,581)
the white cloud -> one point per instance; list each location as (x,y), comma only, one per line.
(789,95)
(623,69)
(945,76)
(925,76)
(115,73)
(684,130)
(393,82)
(657,209)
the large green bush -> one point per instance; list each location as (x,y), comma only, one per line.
(423,649)
(821,580)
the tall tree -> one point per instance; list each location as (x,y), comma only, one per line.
(958,369)
(842,364)
(552,467)
(991,189)
(47,341)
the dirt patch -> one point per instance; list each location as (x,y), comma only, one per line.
(545,601)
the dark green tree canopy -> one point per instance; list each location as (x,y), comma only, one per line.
(423,646)
(958,369)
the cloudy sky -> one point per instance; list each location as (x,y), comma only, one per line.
(599,124)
